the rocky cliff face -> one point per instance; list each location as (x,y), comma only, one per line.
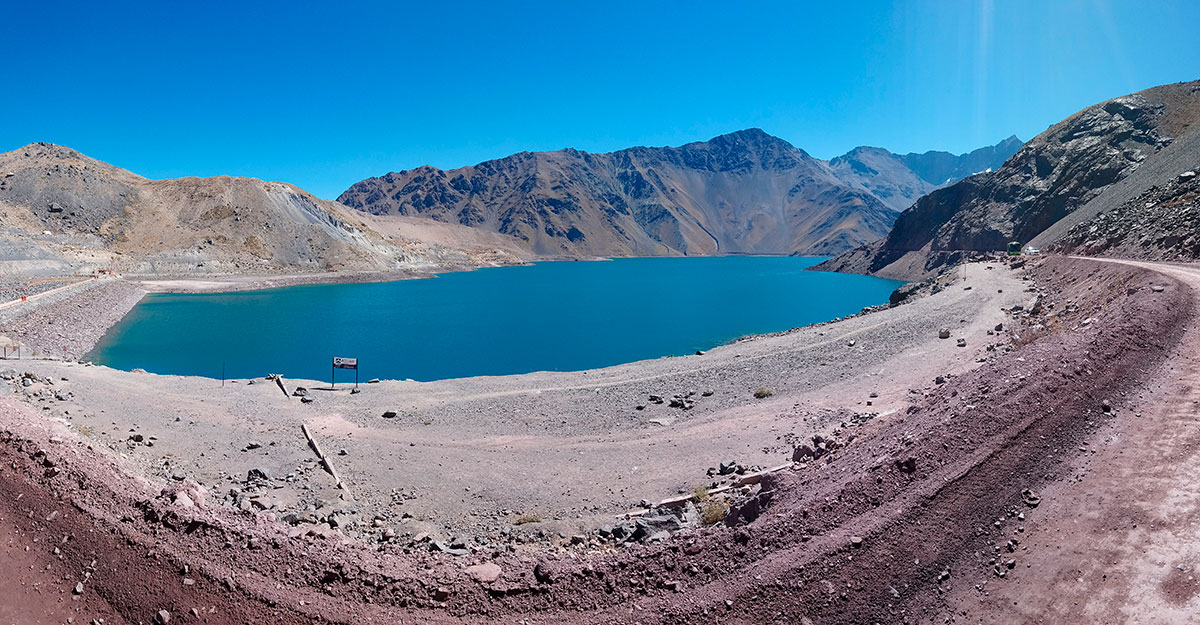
(745,192)
(63,206)
(1065,168)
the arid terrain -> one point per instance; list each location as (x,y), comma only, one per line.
(1010,439)
(976,477)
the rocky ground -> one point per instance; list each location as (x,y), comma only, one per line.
(929,503)
(1159,224)
(540,458)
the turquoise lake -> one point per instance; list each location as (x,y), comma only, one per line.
(551,316)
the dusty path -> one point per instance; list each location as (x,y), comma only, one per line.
(1118,540)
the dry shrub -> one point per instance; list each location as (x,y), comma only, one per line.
(712,511)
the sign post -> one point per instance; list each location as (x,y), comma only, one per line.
(343,363)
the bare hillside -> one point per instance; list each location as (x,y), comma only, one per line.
(59,208)
(1078,168)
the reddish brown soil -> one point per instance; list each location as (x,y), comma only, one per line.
(1016,423)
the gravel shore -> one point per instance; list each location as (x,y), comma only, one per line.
(1053,470)
(68,325)
(572,450)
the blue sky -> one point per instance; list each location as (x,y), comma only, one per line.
(325,94)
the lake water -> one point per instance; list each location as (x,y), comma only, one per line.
(552,316)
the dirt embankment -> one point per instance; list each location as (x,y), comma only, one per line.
(917,506)
(68,325)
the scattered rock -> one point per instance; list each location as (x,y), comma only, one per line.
(543,573)
(389,414)
(962,342)
(944,333)
(485,573)
(1030,498)
(78,590)
(162,617)
(856,541)
(258,473)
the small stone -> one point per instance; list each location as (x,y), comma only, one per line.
(162,617)
(543,573)
(78,589)
(441,594)
(856,541)
(485,573)
(944,333)
(390,414)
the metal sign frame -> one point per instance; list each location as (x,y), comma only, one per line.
(342,363)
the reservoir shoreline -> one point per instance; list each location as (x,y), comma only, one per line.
(545,317)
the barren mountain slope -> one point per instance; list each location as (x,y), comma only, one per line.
(745,192)
(1075,162)
(942,168)
(62,205)
(898,180)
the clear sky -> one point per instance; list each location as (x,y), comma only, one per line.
(325,94)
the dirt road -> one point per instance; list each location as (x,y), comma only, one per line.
(1118,539)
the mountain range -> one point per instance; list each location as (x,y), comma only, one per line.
(746,192)
(1130,154)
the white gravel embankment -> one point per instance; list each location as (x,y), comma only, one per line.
(68,325)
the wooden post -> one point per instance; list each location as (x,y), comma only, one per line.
(312,442)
